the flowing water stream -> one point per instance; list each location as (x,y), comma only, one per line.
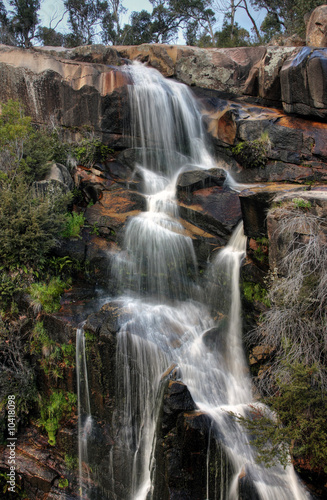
(168,308)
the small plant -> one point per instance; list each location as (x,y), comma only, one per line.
(63,483)
(255,292)
(73,226)
(95,229)
(301,203)
(253,154)
(53,357)
(71,462)
(91,150)
(58,406)
(46,296)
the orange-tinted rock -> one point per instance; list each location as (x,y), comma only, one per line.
(109,214)
(220,69)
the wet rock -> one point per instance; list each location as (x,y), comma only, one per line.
(215,210)
(215,338)
(188,462)
(303,83)
(192,180)
(109,215)
(316,29)
(255,203)
(247,490)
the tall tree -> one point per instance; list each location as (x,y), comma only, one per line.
(24,20)
(84,16)
(140,29)
(288,14)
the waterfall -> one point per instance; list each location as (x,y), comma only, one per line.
(84,414)
(169,312)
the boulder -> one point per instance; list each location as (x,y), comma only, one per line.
(221,69)
(316,29)
(110,214)
(263,79)
(61,174)
(188,459)
(192,180)
(303,83)
(314,202)
(215,210)
(255,203)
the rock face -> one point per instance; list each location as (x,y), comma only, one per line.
(188,462)
(220,69)
(303,83)
(54,86)
(316,33)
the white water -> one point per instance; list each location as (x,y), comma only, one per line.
(84,414)
(165,319)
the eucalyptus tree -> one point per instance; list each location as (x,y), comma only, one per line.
(286,15)
(24,20)
(83,18)
(140,29)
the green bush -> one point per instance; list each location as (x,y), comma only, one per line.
(252,154)
(30,226)
(46,296)
(17,373)
(73,226)
(299,422)
(90,151)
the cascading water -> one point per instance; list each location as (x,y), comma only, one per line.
(165,320)
(84,414)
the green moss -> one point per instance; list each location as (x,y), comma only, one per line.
(252,154)
(255,292)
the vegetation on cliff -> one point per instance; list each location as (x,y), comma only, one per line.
(90,20)
(294,381)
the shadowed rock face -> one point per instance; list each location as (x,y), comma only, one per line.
(303,83)
(68,92)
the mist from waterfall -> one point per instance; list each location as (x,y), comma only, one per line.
(168,309)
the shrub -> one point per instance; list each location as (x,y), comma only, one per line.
(301,203)
(294,328)
(90,151)
(30,225)
(46,296)
(297,424)
(17,375)
(73,226)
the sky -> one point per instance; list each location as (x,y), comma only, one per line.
(53,9)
